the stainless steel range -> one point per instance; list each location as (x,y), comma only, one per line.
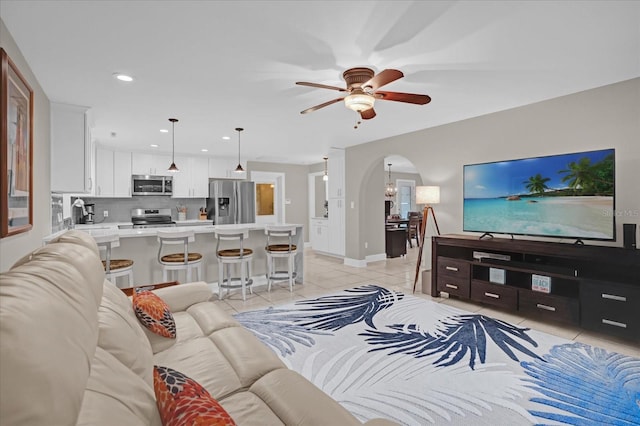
(151,218)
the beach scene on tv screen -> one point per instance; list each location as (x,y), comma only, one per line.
(568,195)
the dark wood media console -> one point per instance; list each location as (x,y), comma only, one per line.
(594,287)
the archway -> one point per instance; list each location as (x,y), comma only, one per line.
(371,199)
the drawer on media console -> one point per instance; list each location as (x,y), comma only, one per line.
(611,307)
(549,306)
(494,294)
(453,267)
(454,286)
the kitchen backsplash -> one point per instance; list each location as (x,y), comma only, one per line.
(120,208)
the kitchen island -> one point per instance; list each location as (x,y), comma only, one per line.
(141,246)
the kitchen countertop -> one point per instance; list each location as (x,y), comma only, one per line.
(188,225)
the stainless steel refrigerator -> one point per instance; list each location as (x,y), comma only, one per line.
(231,201)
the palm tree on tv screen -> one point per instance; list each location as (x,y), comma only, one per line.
(590,178)
(537,184)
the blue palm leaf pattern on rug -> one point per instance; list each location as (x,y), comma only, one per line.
(275,328)
(460,335)
(586,385)
(338,311)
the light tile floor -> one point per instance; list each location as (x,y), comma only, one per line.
(325,275)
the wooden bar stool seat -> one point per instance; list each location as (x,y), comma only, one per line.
(182,261)
(114,268)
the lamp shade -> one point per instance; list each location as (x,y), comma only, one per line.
(427,194)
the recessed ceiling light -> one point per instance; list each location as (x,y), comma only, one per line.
(123,77)
(204,150)
(226,138)
(164,131)
(153,145)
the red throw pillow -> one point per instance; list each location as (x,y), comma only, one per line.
(183,401)
(154,314)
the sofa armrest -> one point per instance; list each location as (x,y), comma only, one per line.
(129,290)
(180,297)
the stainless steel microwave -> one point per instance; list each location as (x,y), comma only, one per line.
(151,185)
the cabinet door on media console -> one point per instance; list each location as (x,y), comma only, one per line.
(612,308)
(453,276)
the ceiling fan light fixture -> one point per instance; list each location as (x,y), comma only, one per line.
(359,101)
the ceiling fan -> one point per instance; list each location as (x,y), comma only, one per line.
(362,91)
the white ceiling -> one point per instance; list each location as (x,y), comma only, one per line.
(218,65)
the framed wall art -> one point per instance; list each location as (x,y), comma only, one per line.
(16,147)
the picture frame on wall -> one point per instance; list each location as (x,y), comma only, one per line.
(16,146)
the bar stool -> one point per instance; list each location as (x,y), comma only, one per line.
(114,268)
(280,245)
(179,261)
(233,256)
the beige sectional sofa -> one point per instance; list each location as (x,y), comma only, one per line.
(73,352)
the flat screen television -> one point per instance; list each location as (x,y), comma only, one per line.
(562,196)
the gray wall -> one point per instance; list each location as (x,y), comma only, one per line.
(295,184)
(605,117)
(14,247)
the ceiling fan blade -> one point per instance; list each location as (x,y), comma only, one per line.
(314,108)
(368,114)
(321,86)
(382,78)
(411,98)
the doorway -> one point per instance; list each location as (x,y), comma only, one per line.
(406,196)
(269,197)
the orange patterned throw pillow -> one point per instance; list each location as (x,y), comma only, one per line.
(183,401)
(154,314)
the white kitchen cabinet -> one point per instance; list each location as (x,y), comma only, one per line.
(151,164)
(336,227)
(71,149)
(113,173)
(336,184)
(122,174)
(335,170)
(192,181)
(104,173)
(224,168)
(319,234)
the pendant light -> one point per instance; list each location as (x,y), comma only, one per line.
(325,177)
(390,189)
(239,169)
(173,168)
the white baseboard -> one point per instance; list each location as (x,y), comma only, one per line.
(362,263)
(356,263)
(376,257)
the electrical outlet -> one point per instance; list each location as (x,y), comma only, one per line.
(105,213)
(366,245)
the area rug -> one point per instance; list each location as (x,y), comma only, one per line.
(386,354)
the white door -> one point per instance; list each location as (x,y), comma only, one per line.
(269,197)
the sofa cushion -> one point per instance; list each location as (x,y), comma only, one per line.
(249,410)
(182,401)
(203,361)
(154,314)
(115,395)
(121,334)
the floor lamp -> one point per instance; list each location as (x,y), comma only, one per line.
(426,195)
